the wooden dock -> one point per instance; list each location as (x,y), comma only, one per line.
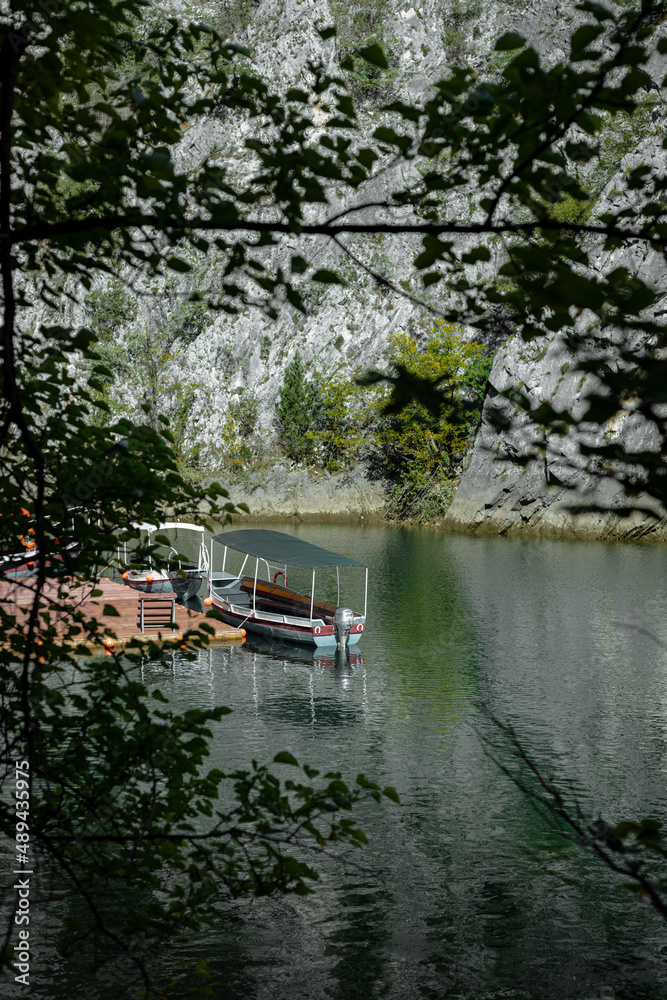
(117,608)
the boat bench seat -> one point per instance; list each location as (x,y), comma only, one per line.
(283,601)
(289,608)
(238,597)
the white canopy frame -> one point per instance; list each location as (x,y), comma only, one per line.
(258,559)
(203,562)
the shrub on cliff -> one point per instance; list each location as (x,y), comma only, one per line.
(236,436)
(345,415)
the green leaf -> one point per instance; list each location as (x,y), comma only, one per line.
(510,40)
(392,794)
(299,264)
(285,758)
(384,134)
(582,38)
(374,54)
(479,253)
(326,277)
(176,264)
(599,12)
(111,611)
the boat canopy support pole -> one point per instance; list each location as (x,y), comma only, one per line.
(337,586)
(254,590)
(366,593)
(224,558)
(312,596)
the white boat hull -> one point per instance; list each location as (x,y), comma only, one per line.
(313,632)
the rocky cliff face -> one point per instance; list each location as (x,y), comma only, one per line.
(348,327)
(562,493)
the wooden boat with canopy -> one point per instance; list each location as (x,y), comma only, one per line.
(269,607)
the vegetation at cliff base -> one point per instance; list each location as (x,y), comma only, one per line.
(413,449)
(334,420)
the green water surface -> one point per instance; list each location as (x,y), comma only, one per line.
(463,892)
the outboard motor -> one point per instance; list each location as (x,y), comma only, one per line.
(343,621)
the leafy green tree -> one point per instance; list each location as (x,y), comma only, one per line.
(110,310)
(364,24)
(155,363)
(412,448)
(297,412)
(345,415)
(245,411)
(147,362)
(237,432)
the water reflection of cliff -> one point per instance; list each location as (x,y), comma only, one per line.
(462,892)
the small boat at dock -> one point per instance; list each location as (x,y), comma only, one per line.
(268,606)
(20,560)
(176,573)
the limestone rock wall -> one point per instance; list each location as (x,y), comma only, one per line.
(344,327)
(349,327)
(502,493)
(285,494)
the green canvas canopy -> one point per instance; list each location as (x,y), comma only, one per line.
(277,547)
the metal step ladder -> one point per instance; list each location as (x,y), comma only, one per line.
(156,612)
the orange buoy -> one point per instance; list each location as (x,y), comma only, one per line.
(29,543)
(208,601)
(124,575)
(109,643)
(149,577)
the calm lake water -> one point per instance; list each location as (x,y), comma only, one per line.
(464,891)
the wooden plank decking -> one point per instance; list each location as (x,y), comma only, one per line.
(16,599)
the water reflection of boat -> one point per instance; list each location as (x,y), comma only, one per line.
(271,608)
(315,656)
(177,574)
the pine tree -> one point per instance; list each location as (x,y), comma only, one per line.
(298,412)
